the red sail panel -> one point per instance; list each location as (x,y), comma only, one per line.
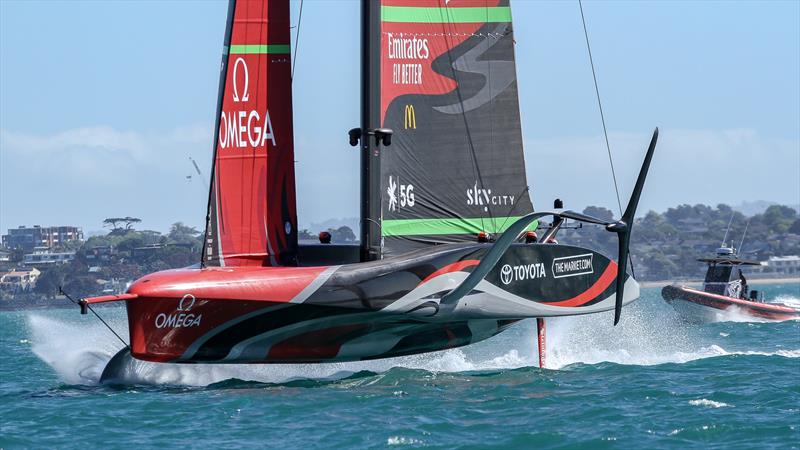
(252,215)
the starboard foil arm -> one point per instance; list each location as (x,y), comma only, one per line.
(621,227)
(85,302)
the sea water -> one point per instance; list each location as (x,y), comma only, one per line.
(654,381)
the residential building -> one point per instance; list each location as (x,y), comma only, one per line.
(42,256)
(19,280)
(786,265)
(28,238)
(100,253)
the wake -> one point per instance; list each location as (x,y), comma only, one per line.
(649,334)
(79,353)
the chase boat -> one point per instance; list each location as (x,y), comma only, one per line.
(725,289)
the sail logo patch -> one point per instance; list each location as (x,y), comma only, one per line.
(509,273)
(481,196)
(401,195)
(243,128)
(407,47)
(570,266)
(409,118)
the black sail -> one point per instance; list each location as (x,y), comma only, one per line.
(448,89)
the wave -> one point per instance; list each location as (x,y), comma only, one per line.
(708,403)
(646,336)
(788,300)
(79,351)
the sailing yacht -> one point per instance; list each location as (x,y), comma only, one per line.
(445,257)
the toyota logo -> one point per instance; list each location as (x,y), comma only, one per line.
(187,303)
(506,274)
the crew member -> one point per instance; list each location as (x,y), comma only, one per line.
(744,285)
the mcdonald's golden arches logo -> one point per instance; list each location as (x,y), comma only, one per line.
(409,118)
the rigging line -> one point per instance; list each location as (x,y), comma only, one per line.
(96,315)
(297,37)
(514,207)
(600,105)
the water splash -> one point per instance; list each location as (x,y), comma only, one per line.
(79,352)
(788,300)
(650,333)
(708,403)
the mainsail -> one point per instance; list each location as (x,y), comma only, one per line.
(252,218)
(448,90)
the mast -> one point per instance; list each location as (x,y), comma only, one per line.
(370,120)
(210,241)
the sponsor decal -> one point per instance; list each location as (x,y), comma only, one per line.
(409,118)
(509,273)
(405,197)
(481,196)
(570,266)
(407,47)
(243,128)
(187,303)
(182,318)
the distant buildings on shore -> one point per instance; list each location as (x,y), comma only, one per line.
(26,251)
(782,265)
(43,256)
(19,280)
(29,238)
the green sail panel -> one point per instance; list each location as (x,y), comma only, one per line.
(448,89)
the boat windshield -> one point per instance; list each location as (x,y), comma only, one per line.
(718,274)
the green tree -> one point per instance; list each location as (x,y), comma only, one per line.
(180,233)
(779,218)
(50,280)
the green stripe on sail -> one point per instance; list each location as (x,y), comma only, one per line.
(422,227)
(413,14)
(249,49)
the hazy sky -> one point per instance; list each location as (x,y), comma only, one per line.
(103,103)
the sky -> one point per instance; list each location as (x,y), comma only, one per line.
(102,105)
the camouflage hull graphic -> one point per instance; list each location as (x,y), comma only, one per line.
(360,311)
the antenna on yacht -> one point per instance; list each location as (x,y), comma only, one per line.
(724,239)
(741,243)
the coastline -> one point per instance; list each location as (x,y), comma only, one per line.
(750,281)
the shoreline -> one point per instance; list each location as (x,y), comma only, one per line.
(754,281)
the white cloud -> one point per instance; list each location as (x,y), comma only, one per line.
(82,175)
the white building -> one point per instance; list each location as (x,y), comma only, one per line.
(19,279)
(41,256)
(786,265)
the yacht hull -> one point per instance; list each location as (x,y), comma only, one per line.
(700,306)
(352,312)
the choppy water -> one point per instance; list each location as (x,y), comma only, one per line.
(652,382)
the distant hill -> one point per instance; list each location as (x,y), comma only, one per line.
(316,227)
(758,207)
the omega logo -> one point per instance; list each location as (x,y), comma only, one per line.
(187,303)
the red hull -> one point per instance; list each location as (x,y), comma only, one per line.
(770,311)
